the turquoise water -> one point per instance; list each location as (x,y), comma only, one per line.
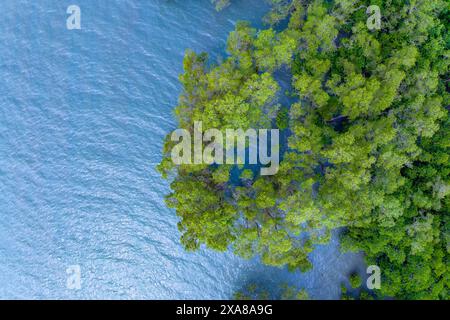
(82,118)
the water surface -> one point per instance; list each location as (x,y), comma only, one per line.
(82,117)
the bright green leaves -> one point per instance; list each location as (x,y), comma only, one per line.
(368,146)
(205,217)
(355,280)
(260,90)
(311,87)
(264,44)
(274,50)
(320,29)
(357,94)
(422,234)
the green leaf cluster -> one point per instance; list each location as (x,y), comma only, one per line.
(368,149)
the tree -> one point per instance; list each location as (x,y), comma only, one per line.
(355,280)
(368,145)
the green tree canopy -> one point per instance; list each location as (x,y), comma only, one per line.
(368,147)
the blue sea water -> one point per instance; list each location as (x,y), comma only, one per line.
(83,114)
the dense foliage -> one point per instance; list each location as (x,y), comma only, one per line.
(368,147)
